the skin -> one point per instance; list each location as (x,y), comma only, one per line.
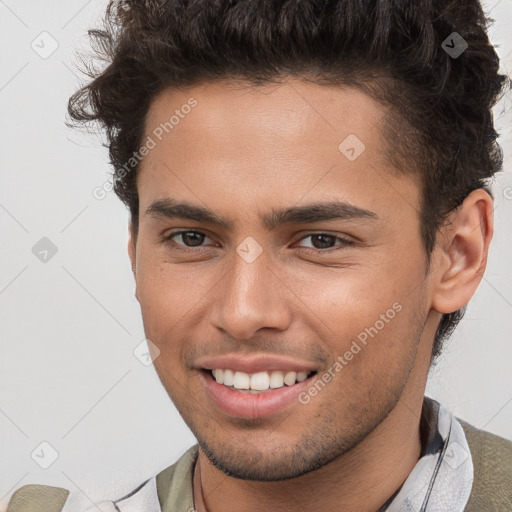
(241,152)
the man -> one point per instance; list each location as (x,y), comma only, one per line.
(310,216)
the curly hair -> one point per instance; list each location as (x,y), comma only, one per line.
(439,122)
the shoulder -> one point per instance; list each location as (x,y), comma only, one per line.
(174,483)
(44,497)
(170,487)
(492,465)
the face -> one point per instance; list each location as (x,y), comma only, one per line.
(309,261)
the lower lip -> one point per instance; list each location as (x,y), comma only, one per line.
(253,405)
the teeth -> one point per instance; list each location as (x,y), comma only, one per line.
(241,380)
(300,376)
(219,376)
(229,377)
(276,380)
(260,381)
(290,378)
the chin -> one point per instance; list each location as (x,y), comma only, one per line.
(246,461)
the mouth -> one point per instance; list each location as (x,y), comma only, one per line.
(264,393)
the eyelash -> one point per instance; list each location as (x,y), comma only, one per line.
(310,250)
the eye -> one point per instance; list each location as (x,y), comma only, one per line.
(190,239)
(323,241)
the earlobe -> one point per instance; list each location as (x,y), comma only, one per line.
(464,251)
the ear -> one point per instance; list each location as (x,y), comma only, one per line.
(132,243)
(462,252)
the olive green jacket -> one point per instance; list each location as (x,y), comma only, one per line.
(491,491)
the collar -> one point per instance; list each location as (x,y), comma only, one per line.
(443,476)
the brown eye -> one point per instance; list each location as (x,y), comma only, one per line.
(322,242)
(189,240)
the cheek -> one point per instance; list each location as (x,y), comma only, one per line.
(371,317)
(172,299)
(164,286)
(348,300)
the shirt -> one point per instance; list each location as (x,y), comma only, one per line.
(441,480)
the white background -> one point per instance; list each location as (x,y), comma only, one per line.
(69,326)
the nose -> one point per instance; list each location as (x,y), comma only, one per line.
(250,297)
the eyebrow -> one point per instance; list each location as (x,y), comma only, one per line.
(309,213)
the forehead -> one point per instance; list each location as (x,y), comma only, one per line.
(232,140)
(286,110)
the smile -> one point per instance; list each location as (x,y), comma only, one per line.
(257,382)
(249,403)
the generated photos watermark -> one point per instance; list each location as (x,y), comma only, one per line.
(355,347)
(150,143)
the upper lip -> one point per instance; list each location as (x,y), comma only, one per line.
(255,364)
